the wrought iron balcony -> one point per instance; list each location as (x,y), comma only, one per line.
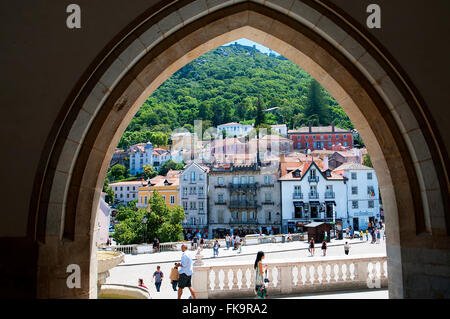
(246,222)
(221,202)
(268,202)
(313,195)
(329,195)
(243,204)
(232,186)
(297,196)
(313,178)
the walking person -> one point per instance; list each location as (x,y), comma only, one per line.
(367,235)
(201,243)
(346,247)
(195,239)
(324,248)
(378,236)
(238,239)
(361,235)
(325,236)
(311,247)
(232,241)
(174,276)
(227,241)
(158,277)
(260,269)
(186,272)
(241,242)
(216,248)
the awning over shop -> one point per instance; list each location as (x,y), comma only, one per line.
(314,203)
(299,204)
(330,202)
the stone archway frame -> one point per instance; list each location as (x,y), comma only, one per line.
(303,32)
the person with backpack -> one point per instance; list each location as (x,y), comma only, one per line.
(174,276)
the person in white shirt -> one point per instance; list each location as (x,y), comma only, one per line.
(186,272)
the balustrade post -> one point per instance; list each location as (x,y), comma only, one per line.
(285,279)
(200,282)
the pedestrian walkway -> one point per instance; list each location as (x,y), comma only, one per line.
(143,266)
(173,256)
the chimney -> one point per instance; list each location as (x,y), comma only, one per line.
(309,125)
(332,126)
(325,163)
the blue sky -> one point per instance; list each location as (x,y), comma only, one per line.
(260,47)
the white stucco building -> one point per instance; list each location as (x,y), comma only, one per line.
(309,194)
(363,197)
(193,196)
(280,129)
(234,129)
(126,192)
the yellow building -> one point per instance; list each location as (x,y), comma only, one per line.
(167,186)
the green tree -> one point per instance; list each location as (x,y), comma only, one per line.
(260,115)
(367,161)
(159,139)
(149,171)
(315,104)
(117,172)
(109,198)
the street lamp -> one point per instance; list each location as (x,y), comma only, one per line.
(144,221)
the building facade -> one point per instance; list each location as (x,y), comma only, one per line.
(234,129)
(166,186)
(193,196)
(311,194)
(363,197)
(125,192)
(243,199)
(145,154)
(320,137)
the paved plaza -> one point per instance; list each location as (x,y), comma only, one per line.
(143,266)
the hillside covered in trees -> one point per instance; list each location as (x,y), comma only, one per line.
(224,85)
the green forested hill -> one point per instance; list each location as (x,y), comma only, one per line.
(222,86)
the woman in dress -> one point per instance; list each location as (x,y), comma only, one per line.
(260,269)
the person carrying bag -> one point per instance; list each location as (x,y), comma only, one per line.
(260,270)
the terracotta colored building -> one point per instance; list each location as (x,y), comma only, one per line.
(320,137)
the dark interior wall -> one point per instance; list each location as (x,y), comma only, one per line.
(41,61)
(415,33)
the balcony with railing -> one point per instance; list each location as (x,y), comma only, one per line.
(233,186)
(329,195)
(313,179)
(243,204)
(234,221)
(313,195)
(268,202)
(220,202)
(297,196)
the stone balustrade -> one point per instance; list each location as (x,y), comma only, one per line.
(236,280)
